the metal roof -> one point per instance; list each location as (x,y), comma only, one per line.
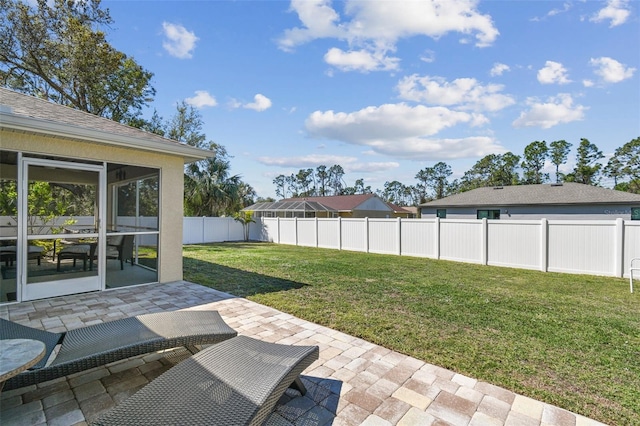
(568,193)
(290,206)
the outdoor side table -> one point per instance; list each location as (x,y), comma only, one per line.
(17,355)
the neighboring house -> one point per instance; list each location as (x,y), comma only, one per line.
(551,201)
(124,185)
(361,205)
(404,212)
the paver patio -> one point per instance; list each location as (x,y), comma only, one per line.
(354,382)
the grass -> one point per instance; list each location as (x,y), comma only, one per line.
(569,340)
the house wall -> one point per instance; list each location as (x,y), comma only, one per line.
(171,192)
(367,213)
(594,212)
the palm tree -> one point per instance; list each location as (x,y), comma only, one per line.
(209,190)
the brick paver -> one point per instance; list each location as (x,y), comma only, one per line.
(354,382)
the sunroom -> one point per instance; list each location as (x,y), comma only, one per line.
(86,204)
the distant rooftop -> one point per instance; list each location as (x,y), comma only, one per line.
(544,194)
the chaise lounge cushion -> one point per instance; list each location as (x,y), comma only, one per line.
(100,344)
(236,382)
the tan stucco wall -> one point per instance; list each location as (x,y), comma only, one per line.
(171,184)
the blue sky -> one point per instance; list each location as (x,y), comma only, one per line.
(387,88)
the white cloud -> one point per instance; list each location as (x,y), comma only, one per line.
(349,164)
(202,99)
(428,56)
(553,72)
(260,103)
(565,8)
(374,27)
(556,110)
(617,11)
(610,70)
(179,42)
(319,20)
(401,130)
(307,160)
(499,69)
(587,83)
(466,93)
(360,60)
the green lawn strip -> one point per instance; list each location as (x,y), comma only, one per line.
(569,340)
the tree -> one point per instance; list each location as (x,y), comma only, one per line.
(322,178)
(625,164)
(335,179)
(507,174)
(435,179)
(304,181)
(359,187)
(397,193)
(209,188)
(246,219)
(558,154)
(535,155)
(491,170)
(587,167)
(186,126)
(280,182)
(56,51)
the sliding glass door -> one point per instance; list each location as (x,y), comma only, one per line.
(63,210)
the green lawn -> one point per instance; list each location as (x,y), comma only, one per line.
(569,340)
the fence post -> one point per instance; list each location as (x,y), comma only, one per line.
(399,230)
(295,229)
(619,248)
(339,232)
(202,234)
(317,237)
(437,237)
(485,242)
(366,235)
(278,229)
(544,245)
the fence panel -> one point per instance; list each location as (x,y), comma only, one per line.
(383,236)
(461,240)
(418,238)
(631,245)
(514,244)
(353,234)
(265,229)
(582,247)
(287,231)
(329,233)
(216,229)
(306,232)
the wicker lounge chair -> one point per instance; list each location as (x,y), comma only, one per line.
(236,382)
(99,344)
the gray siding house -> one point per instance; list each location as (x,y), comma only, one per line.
(550,201)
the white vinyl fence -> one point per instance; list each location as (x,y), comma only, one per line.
(595,247)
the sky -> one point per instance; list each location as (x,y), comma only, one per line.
(388,88)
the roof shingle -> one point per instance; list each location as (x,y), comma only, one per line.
(549,194)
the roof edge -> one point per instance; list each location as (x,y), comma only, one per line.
(46,127)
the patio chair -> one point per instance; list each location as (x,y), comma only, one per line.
(100,344)
(236,382)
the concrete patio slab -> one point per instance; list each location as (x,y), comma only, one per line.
(354,382)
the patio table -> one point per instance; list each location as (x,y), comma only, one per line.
(17,355)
